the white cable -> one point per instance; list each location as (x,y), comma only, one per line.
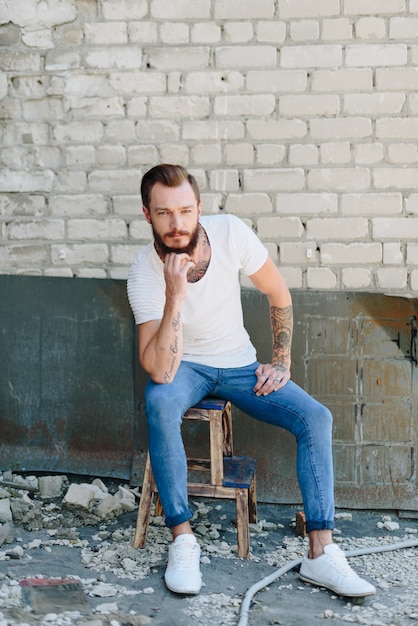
(250,593)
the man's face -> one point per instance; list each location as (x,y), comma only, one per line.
(174,216)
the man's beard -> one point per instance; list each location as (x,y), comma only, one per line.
(163,250)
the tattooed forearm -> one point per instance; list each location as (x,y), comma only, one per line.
(174,350)
(282,328)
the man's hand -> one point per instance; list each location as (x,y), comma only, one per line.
(176,267)
(270,378)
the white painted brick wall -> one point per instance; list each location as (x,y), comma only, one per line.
(302,118)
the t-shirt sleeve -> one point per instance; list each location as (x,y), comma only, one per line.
(146,293)
(251,252)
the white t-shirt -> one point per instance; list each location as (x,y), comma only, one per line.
(213,328)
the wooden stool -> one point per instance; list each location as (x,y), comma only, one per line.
(231,477)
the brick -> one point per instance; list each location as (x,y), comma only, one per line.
(312,56)
(342,80)
(337,228)
(245,105)
(303,154)
(298,253)
(402,153)
(392,277)
(211,202)
(339,179)
(292,179)
(78,132)
(238,32)
(213,82)
(292,9)
(211,129)
(179,107)
(206,32)
(180,57)
(397,128)
(33,255)
(271,31)
(80,254)
(177,153)
(114,181)
(120,131)
(176,33)
(111,156)
(244,9)
(142,155)
(248,204)
(337,29)
(321,278)
(157,131)
(304,30)
(237,57)
(414,280)
(269,154)
(351,254)
(124,254)
(395,228)
(139,229)
(23,205)
(106,33)
(412,254)
(395,178)
(356,278)
(358,7)
(58,60)
(335,152)
(400,78)
(368,154)
(26,182)
(370,28)
(209,154)
(72,205)
(142,32)
(181,9)
(279,228)
(375,104)
(272,130)
(371,204)
(278,81)
(79,156)
(87,229)
(403,28)
(306,203)
(393,254)
(293,277)
(224,180)
(375,55)
(411,204)
(45,229)
(116,57)
(137,107)
(124,9)
(341,128)
(127,205)
(15,61)
(309,105)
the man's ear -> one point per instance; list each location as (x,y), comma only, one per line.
(147,214)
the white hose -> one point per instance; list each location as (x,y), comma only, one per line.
(250,593)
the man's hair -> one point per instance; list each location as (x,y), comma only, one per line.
(169,176)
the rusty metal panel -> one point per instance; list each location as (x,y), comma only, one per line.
(66,385)
(71,389)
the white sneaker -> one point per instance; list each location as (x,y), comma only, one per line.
(183,570)
(331,570)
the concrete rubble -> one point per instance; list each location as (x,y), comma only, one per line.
(53,527)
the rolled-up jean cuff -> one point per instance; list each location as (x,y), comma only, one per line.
(325,525)
(179,519)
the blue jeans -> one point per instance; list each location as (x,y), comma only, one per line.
(290,408)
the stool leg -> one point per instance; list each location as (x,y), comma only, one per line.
(216,448)
(243,530)
(227,430)
(144,508)
(252,502)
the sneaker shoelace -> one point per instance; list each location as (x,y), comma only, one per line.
(185,556)
(340,561)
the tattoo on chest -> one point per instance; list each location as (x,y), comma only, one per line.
(197,272)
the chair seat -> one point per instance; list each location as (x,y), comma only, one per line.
(239,471)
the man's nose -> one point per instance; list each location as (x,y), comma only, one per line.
(175,221)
